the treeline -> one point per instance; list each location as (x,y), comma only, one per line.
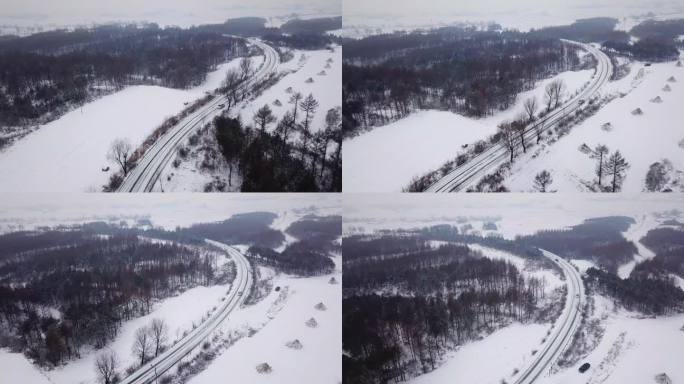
(597,29)
(320,231)
(299,258)
(386,77)
(644,294)
(454,294)
(650,49)
(599,240)
(294,156)
(245,228)
(668,245)
(663,29)
(45,74)
(55,301)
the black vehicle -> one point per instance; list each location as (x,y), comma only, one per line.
(584,367)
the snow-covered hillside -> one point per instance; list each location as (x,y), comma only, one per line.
(653,136)
(388,157)
(279,319)
(69,154)
(326,86)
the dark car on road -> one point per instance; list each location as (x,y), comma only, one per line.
(584,367)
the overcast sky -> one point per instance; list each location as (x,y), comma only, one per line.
(537,210)
(180,12)
(511,13)
(168,210)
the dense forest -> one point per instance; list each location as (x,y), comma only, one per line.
(599,240)
(57,300)
(45,74)
(648,295)
(474,73)
(408,301)
(310,254)
(294,156)
(668,245)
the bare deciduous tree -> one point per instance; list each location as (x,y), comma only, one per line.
(120,152)
(294,100)
(508,137)
(542,181)
(554,93)
(600,153)
(159,332)
(106,365)
(531,108)
(142,344)
(245,68)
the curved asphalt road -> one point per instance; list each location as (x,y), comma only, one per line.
(466,174)
(239,290)
(147,172)
(564,329)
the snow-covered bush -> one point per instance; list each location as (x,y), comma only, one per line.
(264,368)
(311,323)
(294,344)
(320,307)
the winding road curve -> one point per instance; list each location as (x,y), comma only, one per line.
(564,329)
(239,290)
(147,173)
(466,174)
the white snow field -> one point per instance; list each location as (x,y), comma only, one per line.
(632,350)
(386,158)
(642,139)
(278,322)
(634,233)
(327,89)
(505,349)
(68,154)
(15,368)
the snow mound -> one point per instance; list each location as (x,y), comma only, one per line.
(328,66)
(667,88)
(288,90)
(264,368)
(584,148)
(607,127)
(672,79)
(334,281)
(321,73)
(309,80)
(656,99)
(294,344)
(637,112)
(663,378)
(320,307)
(311,323)
(277,103)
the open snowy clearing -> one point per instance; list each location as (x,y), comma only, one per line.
(632,350)
(69,154)
(489,360)
(278,319)
(642,139)
(326,88)
(388,157)
(634,233)
(16,368)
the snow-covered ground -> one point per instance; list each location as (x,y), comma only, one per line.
(634,233)
(326,88)
(632,350)
(388,157)
(642,139)
(278,319)
(16,368)
(68,154)
(491,359)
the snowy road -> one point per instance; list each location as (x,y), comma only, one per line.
(239,290)
(147,173)
(564,329)
(487,161)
